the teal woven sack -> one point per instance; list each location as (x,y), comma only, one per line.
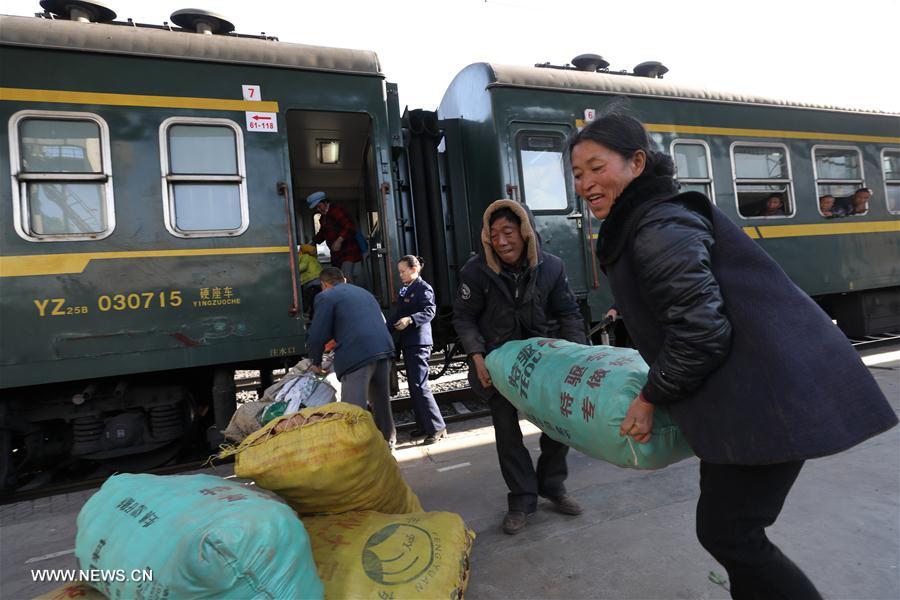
(578,395)
(200,536)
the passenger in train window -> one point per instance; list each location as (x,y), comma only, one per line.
(309,267)
(774,206)
(859,202)
(826,206)
(362,357)
(514,290)
(412,320)
(735,378)
(338,229)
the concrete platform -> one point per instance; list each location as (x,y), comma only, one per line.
(636,540)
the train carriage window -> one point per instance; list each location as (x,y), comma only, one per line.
(61,176)
(204,182)
(762,180)
(839,173)
(692,167)
(890,164)
(542,171)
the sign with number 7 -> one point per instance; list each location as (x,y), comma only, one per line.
(251,92)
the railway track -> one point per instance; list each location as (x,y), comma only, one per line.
(876,341)
(456,404)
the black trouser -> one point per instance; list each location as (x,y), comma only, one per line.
(524,483)
(736,504)
(425,408)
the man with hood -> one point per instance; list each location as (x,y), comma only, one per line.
(513,290)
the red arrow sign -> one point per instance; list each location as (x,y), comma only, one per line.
(259,118)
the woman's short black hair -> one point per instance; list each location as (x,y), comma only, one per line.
(505,213)
(620,131)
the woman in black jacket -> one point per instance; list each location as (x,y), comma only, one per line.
(737,377)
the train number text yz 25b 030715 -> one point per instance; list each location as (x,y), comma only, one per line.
(59,307)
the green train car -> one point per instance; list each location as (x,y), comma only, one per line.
(514,122)
(152,199)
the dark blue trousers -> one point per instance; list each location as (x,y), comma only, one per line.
(428,416)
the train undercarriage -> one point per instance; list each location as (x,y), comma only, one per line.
(132,423)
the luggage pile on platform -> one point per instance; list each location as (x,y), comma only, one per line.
(299,388)
(361,531)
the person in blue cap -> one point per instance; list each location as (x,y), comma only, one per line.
(338,230)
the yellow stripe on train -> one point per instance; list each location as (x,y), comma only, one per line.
(62,264)
(769,133)
(69,97)
(781,231)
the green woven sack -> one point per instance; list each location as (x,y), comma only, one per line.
(194,536)
(578,395)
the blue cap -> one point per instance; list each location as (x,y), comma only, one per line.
(314,198)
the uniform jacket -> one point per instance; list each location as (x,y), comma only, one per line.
(752,370)
(491,307)
(337,223)
(352,317)
(417,302)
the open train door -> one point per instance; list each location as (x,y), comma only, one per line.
(335,152)
(541,164)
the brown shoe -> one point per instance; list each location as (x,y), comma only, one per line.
(434,437)
(565,504)
(514,522)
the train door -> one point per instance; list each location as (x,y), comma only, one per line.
(540,160)
(333,152)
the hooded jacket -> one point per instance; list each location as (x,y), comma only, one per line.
(494,305)
(742,357)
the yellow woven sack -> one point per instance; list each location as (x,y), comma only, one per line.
(326,460)
(72,590)
(371,555)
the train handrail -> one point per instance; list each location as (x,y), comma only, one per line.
(294,308)
(385,192)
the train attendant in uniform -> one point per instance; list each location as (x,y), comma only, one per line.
(415,310)
(513,290)
(735,377)
(338,230)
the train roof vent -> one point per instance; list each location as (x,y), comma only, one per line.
(589,62)
(652,69)
(80,10)
(202,21)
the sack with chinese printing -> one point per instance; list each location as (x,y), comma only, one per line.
(326,460)
(578,395)
(193,536)
(372,555)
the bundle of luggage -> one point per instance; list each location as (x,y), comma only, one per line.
(361,531)
(578,395)
(299,388)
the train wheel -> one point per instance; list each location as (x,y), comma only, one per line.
(137,463)
(158,457)
(9,461)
